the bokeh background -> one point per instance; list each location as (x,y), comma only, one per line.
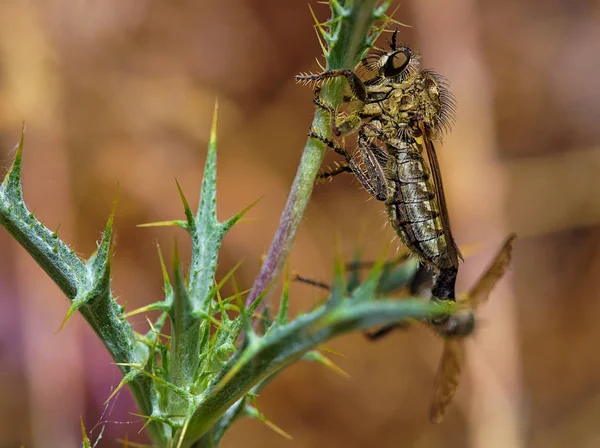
(118,96)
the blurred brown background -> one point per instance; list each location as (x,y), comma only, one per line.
(118,95)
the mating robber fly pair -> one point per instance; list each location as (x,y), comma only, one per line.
(397,112)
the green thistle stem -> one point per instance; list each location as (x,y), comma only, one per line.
(347,44)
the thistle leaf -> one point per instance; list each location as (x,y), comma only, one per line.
(185,333)
(206,232)
(281,346)
(86,285)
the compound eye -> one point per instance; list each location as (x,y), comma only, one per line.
(397,62)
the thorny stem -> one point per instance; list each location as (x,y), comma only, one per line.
(345,53)
(291,217)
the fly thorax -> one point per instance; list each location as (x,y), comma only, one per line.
(391,108)
(406,102)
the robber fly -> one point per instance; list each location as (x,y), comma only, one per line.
(401,108)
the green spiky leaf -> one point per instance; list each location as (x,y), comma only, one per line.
(205,230)
(283,345)
(86,285)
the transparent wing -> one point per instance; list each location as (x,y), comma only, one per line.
(481,291)
(448,374)
(447,377)
(439,192)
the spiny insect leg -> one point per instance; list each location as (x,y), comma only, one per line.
(331,172)
(356,85)
(352,165)
(345,126)
(337,148)
(309,281)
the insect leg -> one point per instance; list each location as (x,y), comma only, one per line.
(356,85)
(352,165)
(330,173)
(347,125)
(309,281)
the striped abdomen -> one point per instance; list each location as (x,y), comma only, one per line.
(413,207)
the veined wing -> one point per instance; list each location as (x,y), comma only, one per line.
(448,374)
(447,377)
(481,291)
(453,250)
